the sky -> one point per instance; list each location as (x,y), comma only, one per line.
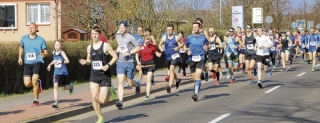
(296,3)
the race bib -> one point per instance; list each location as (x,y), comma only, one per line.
(142,47)
(273,48)
(303,45)
(123,48)
(196,58)
(287,51)
(31,56)
(313,43)
(250,46)
(96,65)
(56,64)
(260,51)
(213,47)
(181,50)
(228,54)
(174,56)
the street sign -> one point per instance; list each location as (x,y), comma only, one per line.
(310,24)
(269,19)
(293,25)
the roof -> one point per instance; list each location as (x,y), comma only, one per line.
(76,29)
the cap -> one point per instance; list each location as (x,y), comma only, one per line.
(35,25)
(123,23)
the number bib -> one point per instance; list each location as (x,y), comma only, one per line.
(96,65)
(213,47)
(31,56)
(228,54)
(142,47)
(174,56)
(250,46)
(260,51)
(181,50)
(287,51)
(196,58)
(313,43)
(123,48)
(273,48)
(56,64)
(303,45)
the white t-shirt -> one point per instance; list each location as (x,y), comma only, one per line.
(263,41)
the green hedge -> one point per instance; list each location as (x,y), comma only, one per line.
(11,76)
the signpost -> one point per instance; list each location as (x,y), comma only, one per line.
(257,15)
(294,25)
(269,20)
(310,24)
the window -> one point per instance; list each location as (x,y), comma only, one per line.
(38,13)
(8,16)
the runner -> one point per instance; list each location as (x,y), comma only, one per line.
(249,42)
(312,41)
(127,47)
(302,45)
(34,48)
(100,77)
(241,51)
(214,55)
(197,55)
(140,40)
(204,74)
(60,74)
(285,42)
(183,55)
(225,57)
(148,33)
(171,44)
(263,43)
(147,62)
(232,53)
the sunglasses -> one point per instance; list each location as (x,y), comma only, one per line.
(210,32)
(248,27)
(230,30)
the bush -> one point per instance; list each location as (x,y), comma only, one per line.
(11,76)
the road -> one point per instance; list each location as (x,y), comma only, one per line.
(286,98)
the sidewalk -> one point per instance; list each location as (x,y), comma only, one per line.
(18,108)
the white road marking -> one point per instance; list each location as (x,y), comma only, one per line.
(317,65)
(302,74)
(219,118)
(272,89)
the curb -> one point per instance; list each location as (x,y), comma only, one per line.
(88,108)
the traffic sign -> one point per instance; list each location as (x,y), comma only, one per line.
(269,19)
(293,25)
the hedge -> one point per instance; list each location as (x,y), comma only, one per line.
(11,76)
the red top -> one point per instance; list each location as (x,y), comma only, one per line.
(103,38)
(239,35)
(183,39)
(146,52)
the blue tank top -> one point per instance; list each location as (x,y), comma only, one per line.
(60,69)
(169,45)
(312,41)
(232,42)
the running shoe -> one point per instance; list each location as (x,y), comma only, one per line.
(119,105)
(147,98)
(168,88)
(55,105)
(71,90)
(35,103)
(195,97)
(178,83)
(100,120)
(259,84)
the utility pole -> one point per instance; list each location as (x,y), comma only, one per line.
(220,16)
(57,18)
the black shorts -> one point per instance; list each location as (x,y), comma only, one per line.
(250,57)
(172,62)
(30,69)
(61,80)
(262,59)
(145,70)
(284,49)
(193,65)
(102,80)
(215,60)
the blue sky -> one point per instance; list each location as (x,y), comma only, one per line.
(295,3)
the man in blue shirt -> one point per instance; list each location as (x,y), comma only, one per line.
(302,44)
(34,49)
(312,43)
(197,55)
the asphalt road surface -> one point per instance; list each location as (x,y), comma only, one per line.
(290,97)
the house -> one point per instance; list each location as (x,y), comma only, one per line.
(16,15)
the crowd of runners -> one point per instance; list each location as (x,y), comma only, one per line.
(252,51)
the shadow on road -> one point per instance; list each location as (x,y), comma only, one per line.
(151,102)
(213,96)
(11,112)
(126,118)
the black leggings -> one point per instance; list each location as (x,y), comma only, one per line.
(226,60)
(183,61)
(273,58)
